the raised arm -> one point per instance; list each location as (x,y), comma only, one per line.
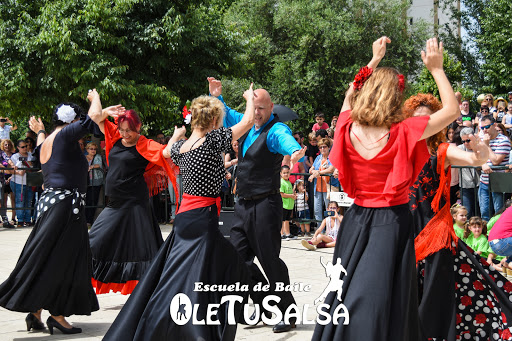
(99,115)
(37,126)
(379,51)
(433,60)
(457,157)
(248,118)
(179,134)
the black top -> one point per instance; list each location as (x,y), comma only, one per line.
(67,166)
(258,170)
(422,193)
(202,169)
(125,176)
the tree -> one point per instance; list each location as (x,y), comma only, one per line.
(306,52)
(148,55)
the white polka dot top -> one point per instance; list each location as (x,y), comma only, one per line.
(202,169)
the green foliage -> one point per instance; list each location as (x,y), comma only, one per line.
(148,55)
(306,52)
(486,51)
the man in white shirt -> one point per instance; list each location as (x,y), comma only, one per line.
(5,129)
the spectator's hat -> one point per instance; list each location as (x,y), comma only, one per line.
(499,99)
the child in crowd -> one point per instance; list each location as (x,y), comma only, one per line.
(301,204)
(475,235)
(459,214)
(320,124)
(288,202)
(331,224)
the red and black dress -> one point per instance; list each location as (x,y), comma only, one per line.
(195,252)
(126,236)
(376,241)
(461,297)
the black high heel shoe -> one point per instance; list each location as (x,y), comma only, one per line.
(51,322)
(33,322)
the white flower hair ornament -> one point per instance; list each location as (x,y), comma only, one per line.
(66,114)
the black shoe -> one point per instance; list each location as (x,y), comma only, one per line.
(52,323)
(8,225)
(33,322)
(252,318)
(282,327)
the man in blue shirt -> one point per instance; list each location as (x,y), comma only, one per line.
(258,213)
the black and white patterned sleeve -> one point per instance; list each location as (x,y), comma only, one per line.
(175,151)
(220,140)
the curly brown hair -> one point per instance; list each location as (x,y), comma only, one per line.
(324,142)
(205,109)
(379,101)
(432,103)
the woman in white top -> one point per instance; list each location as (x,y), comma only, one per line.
(331,224)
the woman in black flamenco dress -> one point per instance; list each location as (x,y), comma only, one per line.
(54,268)
(460,295)
(195,251)
(126,236)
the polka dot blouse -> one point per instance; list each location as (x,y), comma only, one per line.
(202,169)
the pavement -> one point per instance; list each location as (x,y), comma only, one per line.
(303,265)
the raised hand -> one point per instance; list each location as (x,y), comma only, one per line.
(214,86)
(35,125)
(92,94)
(114,110)
(433,55)
(479,147)
(179,133)
(379,47)
(249,93)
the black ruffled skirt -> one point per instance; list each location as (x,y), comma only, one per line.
(54,269)
(376,247)
(124,240)
(195,252)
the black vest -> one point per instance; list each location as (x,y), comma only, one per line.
(258,170)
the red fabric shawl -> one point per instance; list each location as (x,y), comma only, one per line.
(158,169)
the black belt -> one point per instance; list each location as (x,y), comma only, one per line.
(261,196)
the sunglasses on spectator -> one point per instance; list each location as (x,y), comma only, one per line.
(486,127)
(466,141)
(22,146)
(322,147)
(484,109)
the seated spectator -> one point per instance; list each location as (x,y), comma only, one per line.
(475,234)
(95,180)
(460,216)
(331,224)
(321,166)
(22,192)
(320,124)
(500,238)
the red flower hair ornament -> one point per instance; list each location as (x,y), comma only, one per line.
(401,82)
(187,114)
(362,76)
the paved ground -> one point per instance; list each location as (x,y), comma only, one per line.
(304,267)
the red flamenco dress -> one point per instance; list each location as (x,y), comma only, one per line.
(126,236)
(375,241)
(461,296)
